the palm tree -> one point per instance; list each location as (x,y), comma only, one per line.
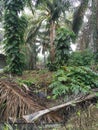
(92,32)
(49,13)
(53,9)
(31,37)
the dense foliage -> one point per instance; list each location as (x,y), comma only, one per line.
(62,48)
(51,28)
(14,35)
(62,43)
(73,80)
(81,58)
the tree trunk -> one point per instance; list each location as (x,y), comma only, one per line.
(52,38)
(78,16)
(95,23)
(33,57)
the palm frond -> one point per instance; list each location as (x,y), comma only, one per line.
(16,102)
(33,31)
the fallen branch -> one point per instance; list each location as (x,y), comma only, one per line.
(33,117)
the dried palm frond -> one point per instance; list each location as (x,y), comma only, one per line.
(15,103)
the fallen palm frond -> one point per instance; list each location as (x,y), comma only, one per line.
(33,117)
(15,103)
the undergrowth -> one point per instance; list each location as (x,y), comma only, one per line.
(28,82)
(73,80)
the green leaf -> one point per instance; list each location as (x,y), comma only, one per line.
(62,79)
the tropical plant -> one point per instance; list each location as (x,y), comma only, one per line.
(81,58)
(49,14)
(62,45)
(62,48)
(73,80)
(33,39)
(14,35)
(53,11)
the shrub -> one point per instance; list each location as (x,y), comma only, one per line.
(52,66)
(81,58)
(73,80)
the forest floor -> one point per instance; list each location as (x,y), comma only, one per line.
(36,83)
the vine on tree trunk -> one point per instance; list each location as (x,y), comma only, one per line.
(14,26)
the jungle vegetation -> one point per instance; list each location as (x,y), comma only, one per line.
(38,38)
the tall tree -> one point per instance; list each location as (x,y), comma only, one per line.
(14,34)
(32,38)
(95,26)
(54,8)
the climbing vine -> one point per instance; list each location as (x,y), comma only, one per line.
(62,43)
(14,26)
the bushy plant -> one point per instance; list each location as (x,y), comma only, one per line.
(81,58)
(73,80)
(62,45)
(52,66)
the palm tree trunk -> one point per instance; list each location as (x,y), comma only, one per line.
(33,57)
(78,16)
(52,38)
(95,26)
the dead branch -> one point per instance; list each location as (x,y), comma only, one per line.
(33,117)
